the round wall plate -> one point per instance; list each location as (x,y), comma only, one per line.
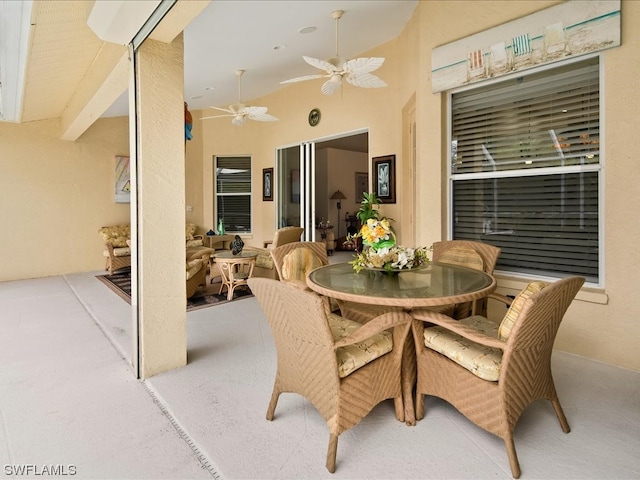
(314,117)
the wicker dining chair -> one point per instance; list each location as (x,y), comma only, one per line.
(343,368)
(470,254)
(491,372)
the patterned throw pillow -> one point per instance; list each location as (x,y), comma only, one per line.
(511,317)
(298,262)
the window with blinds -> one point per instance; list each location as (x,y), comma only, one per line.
(525,170)
(233,193)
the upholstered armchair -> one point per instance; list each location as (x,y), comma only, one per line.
(196,273)
(117,251)
(264,263)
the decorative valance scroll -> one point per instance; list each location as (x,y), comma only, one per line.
(567,30)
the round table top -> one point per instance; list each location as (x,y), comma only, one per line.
(227,254)
(433,284)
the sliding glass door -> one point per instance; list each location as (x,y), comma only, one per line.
(296,193)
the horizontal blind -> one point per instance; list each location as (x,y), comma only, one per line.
(233,193)
(541,120)
(546,223)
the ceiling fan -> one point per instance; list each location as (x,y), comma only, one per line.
(240,112)
(356,72)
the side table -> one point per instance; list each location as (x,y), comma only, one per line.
(235,270)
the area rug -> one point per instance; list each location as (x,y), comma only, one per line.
(120,283)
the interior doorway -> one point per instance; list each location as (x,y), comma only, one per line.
(310,173)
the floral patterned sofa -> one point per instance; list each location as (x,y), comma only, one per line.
(118,251)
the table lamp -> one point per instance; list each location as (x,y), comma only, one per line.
(338,195)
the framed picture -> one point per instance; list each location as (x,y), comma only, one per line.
(123,185)
(384,171)
(362,185)
(267,184)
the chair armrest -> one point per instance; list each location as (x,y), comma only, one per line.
(501,298)
(109,249)
(377,325)
(459,328)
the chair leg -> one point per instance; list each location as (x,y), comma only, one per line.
(272,404)
(560,414)
(513,457)
(331,453)
(419,406)
(399,407)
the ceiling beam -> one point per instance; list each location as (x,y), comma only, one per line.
(105,81)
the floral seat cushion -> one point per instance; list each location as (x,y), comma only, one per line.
(116,235)
(264,260)
(118,252)
(352,357)
(480,360)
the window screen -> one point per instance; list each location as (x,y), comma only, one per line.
(233,193)
(525,167)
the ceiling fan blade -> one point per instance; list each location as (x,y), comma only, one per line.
(359,66)
(332,85)
(302,79)
(218,116)
(223,109)
(253,110)
(321,64)
(263,117)
(259,114)
(366,80)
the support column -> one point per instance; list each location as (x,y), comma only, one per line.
(158,209)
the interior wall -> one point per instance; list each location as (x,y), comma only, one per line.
(56,194)
(343,166)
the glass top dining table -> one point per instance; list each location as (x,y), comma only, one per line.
(430,285)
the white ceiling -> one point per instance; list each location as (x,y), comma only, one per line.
(231,35)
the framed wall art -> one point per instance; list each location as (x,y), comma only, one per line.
(384,176)
(362,185)
(123,183)
(267,184)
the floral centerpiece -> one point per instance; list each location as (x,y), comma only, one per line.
(379,239)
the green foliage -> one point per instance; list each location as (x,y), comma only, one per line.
(368,207)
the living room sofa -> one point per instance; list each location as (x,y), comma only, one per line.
(117,239)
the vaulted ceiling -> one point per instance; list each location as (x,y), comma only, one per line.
(62,56)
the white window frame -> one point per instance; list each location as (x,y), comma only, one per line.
(600,167)
(229,227)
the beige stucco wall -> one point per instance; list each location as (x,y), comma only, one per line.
(55,195)
(602,323)
(47,203)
